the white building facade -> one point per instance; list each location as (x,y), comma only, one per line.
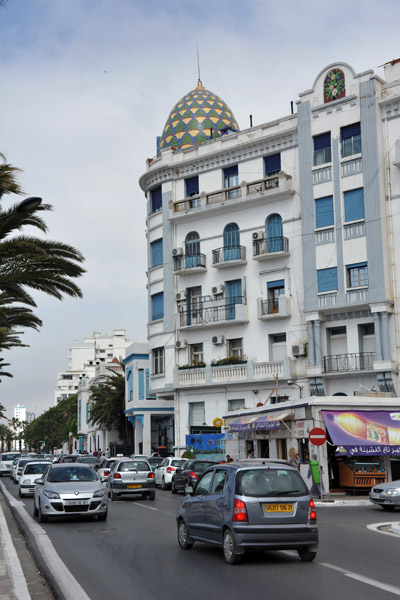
(272,251)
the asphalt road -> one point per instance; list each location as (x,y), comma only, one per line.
(135,555)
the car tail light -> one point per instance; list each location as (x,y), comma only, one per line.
(170,469)
(239,511)
(312,515)
(150,475)
(117,476)
(106,473)
(193,474)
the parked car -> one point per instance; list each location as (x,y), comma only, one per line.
(13,467)
(189,474)
(131,476)
(249,504)
(105,467)
(6,460)
(19,468)
(66,489)
(165,471)
(32,471)
(386,495)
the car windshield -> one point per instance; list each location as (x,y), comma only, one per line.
(155,461)
(133,465)
(72,474)
(270,482)
(201,466)
(9,456)
(34,469)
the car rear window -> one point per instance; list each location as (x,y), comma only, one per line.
(202,466)
(177,463)
(270,482)
(90,460)
(134,465)
(9,456)
(73,473)
(69,459)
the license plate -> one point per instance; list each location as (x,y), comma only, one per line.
(76,502)
(278,508)
(134,485)
(374,495)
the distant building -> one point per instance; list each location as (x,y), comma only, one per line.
(21,413)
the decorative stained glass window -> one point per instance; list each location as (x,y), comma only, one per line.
(334,85)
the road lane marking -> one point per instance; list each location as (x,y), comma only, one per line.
(378,584)
(144,506)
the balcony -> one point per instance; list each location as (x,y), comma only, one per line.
(186,263)
(229,256)
(209,311)
(231,373)
(352,167)
(339,363)
(322,175)
(276,308)
(327,300)
(274,247)
(192,376)
(324,236)
(268,370)
(359,296)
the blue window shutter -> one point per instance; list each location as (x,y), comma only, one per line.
(141,384)
(276,284)
(192,186)
(272,164)
(354,205)
(231,171)
(324,212)
(148,384)
(322,141)
(350,131)
(156,199)
(156,253)
(327,279)
(157,306)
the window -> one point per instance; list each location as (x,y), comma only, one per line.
(157,306)
(322,149)
(156,199)
(196,354)
(324,212)
(156,253)
(196,413)
(272,165)
(327,280)
(192,250)
(278,347)
(274,233)
(141,383)
(350,137)
(357,275)
(158,361)
(236,404)
(231,242)
(274,290)
(220,482)
(231,176)
(354,205)
(192,186)
(235,347)
(203,486)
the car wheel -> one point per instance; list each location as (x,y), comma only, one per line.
(163,484)
(183,538)
(19,494)
(35,510)
(231,555)
(173,488)
(42,518)
(387,507)
(152,496)
(102,517)
(306,554)
(113,496)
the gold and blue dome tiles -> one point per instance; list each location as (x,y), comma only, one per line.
(199,116)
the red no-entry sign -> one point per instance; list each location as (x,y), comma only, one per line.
(317,436)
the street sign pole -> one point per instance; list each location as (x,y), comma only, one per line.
(317,437)
(320,473)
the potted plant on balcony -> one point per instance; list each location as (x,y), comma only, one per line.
(229,360)
(194,365)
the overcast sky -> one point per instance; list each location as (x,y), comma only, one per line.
(85,88)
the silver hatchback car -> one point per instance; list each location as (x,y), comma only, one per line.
(250,504)
(131,476)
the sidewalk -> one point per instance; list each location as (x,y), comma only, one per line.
(13,584)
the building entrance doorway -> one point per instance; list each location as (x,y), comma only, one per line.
(263,448)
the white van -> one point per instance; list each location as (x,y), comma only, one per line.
(6,459)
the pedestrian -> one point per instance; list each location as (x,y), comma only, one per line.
(108,453)
(317,488)
(295,460)
(229,458)
(250,454)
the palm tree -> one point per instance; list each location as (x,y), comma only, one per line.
(107,406)
(29,262)
(5,432)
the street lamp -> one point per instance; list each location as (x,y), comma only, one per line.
(291,382)
(27,205)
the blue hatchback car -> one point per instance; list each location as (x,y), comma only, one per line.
(263,504)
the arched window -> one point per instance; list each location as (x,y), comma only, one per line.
(274,233)
(192,250)
(334,85)
(231,242)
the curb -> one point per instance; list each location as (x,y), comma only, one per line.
(329,503)
(58,576)
(396,528)
(12,563)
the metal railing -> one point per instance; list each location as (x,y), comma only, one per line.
(270,306)
(363,361)
(209,310)
(222,195)
(262,185)
(189,261)
(271,245)
(227,253)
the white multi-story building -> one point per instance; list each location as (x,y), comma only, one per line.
(272,251)
(21,413)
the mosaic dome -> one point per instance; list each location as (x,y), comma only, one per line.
(199,116)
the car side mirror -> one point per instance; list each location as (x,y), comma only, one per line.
(188,489)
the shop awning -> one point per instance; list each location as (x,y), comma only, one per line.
(260,422)
(364,432)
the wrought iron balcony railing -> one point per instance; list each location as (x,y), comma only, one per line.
(270,306)
(270,245)
(207,309)
(189,261)
(364,361)
(221,255)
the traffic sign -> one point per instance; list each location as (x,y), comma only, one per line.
(317,436)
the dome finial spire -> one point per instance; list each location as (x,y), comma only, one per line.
(199,83)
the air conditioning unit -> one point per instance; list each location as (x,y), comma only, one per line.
(180,344)
(299,350)
(218,289)
(258,235)
(181,296)
(177,251)
(218,339)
